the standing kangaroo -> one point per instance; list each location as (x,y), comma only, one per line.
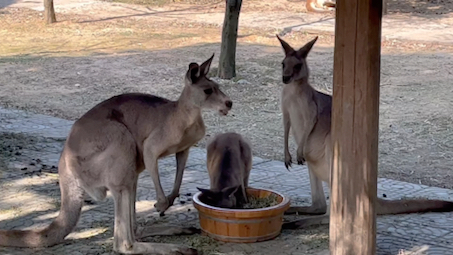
(111,144)
(229,161)
(308,113)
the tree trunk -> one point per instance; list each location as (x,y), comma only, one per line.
(49,12)
(227,64)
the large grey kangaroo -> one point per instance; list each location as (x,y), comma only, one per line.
(111,144)
(308,113)
(229,161)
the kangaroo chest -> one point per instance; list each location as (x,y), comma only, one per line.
(192,134)
(301,110)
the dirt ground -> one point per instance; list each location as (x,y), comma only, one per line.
(66,68)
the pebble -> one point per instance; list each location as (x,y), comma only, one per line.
(242,81)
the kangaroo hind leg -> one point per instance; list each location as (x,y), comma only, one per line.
(124,236)
(319,204)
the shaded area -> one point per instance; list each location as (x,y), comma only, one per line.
(420,7)
(6,3)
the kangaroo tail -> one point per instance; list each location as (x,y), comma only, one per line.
(413,206)
(71,206)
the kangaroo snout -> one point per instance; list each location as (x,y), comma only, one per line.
(226,107)
(229,104)
(286,79)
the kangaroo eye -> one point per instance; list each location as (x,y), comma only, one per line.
(298,66)
(208,91)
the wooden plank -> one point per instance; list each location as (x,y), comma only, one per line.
(355,117)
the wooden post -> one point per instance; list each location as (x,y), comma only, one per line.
(227,59)
(49,12)
(355,118)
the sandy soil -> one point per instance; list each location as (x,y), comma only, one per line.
(65,69)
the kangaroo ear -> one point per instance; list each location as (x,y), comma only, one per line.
(303,52)
(204,68)
(288,49)
(193,72)
(209,193)
(229,191)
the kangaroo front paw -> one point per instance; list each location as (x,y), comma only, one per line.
(300,160)
(300,156)
(161,206)
(288,161)
(171,199)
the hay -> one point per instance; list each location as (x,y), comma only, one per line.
(260,202)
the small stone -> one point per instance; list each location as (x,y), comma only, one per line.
(242,81)
(188,210)
(24,168)
(384,195)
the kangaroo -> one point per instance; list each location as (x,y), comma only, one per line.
(308,113)
(229,161)
(319,6)
(111,144)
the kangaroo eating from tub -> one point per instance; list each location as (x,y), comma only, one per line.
(229,161)
(111,144)
(308,113)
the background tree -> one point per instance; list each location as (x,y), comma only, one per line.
(227,64)
(49,12)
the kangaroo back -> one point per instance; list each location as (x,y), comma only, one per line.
(229,162)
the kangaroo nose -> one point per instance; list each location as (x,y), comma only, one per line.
(286,79)
(229,104)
